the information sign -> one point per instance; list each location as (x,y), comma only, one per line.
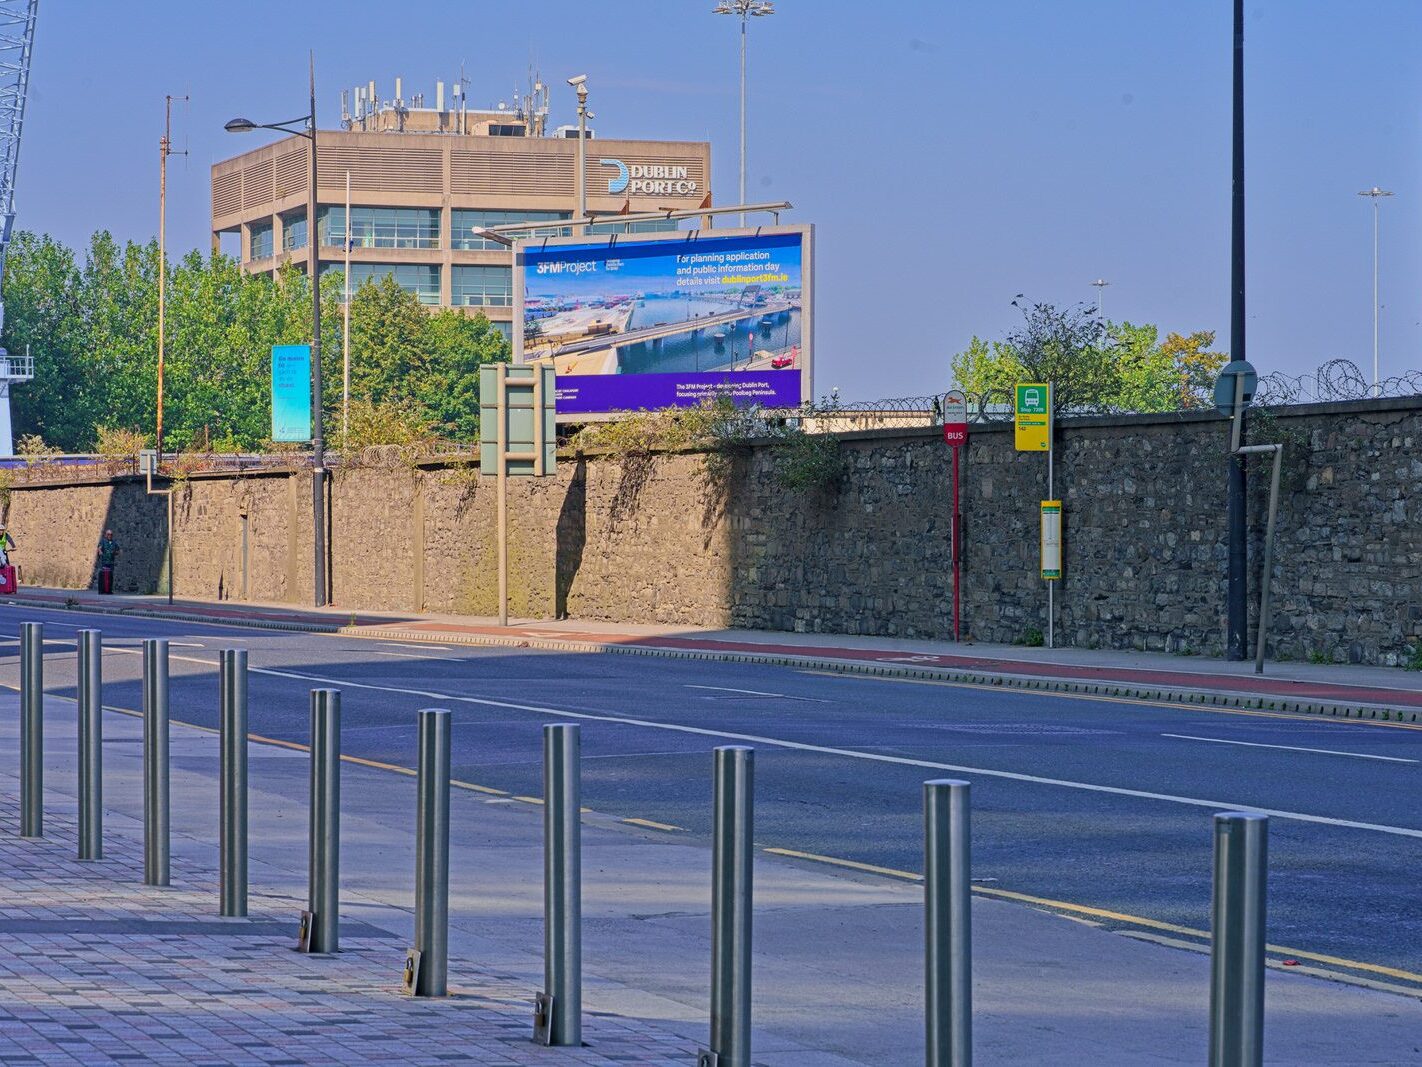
(1051,539)
(291,392)
(1034,416)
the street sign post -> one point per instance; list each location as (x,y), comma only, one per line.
(517,437)
(1234,392)
(955,434)
(1033,407)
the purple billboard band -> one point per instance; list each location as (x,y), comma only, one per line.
(583,394)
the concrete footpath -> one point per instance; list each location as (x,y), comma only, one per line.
(837,966)
(1332,689)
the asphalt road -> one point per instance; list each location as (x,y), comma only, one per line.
(1103,803)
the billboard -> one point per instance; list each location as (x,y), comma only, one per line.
(291,392)
(643,321)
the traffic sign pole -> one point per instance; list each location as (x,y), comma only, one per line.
(955,433)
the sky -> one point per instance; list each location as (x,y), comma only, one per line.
(951,153)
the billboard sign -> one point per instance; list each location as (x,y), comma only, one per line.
(291,392)
(643,321)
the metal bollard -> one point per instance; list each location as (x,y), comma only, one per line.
(232,728)
(31,729)
(320,924)
(1237,942)
(947,926)
(559,1020)
(731,856)
(427,970)
(91,744)
(155,761)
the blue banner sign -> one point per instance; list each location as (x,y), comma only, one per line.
(291,392)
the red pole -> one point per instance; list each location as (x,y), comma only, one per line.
(957,548)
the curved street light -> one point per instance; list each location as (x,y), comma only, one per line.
(307,129)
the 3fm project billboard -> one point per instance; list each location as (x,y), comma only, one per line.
(647,321)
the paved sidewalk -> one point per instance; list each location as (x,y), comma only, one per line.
(98,969)
(1375,692)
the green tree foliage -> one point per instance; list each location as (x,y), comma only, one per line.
(91,325)
(1092,364)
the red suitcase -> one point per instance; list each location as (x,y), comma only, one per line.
(7,580)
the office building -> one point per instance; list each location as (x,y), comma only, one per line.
(424,179)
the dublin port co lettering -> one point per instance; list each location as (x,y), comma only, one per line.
(655,179)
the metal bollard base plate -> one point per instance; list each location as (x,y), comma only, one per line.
(303,933)
(543,1019)
(706,1058)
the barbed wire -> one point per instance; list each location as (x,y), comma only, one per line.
(1338,379)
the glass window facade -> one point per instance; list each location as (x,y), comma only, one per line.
(380,227)
(419,278)
(293,232)
(481,287)
(462,222)
(645,226)
(261,246)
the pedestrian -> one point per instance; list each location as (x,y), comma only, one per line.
(6,543)
(108,553)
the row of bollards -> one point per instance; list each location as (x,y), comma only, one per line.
(1238,901)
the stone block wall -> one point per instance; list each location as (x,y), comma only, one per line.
(665,539)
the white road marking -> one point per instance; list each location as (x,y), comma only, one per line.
(847,753)
(1290,748)
(728,689)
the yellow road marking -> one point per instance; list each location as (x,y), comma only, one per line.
(1102,913)
(530,800)
(1176,705)
(649,824)
(853,865)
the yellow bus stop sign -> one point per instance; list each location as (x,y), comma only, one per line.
(1034,416)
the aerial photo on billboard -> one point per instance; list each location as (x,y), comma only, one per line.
(640,322)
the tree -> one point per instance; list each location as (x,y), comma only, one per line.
(1093,365)
(92,327)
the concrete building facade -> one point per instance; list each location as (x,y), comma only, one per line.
(422,179)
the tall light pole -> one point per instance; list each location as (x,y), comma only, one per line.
(746,9)
(1375,194)
(1101,284)
(313,272)
(580,83)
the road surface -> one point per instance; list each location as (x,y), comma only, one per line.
(1092,803)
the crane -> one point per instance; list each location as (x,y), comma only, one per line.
(17,36)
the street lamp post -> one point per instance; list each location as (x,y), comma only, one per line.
(580,83)
(746,9)
(1101,284)
(1375,194)
(313,272)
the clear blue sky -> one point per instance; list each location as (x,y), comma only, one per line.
(951,153)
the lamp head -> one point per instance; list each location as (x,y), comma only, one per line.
(240,126)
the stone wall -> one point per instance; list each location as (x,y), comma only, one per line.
(667,540)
